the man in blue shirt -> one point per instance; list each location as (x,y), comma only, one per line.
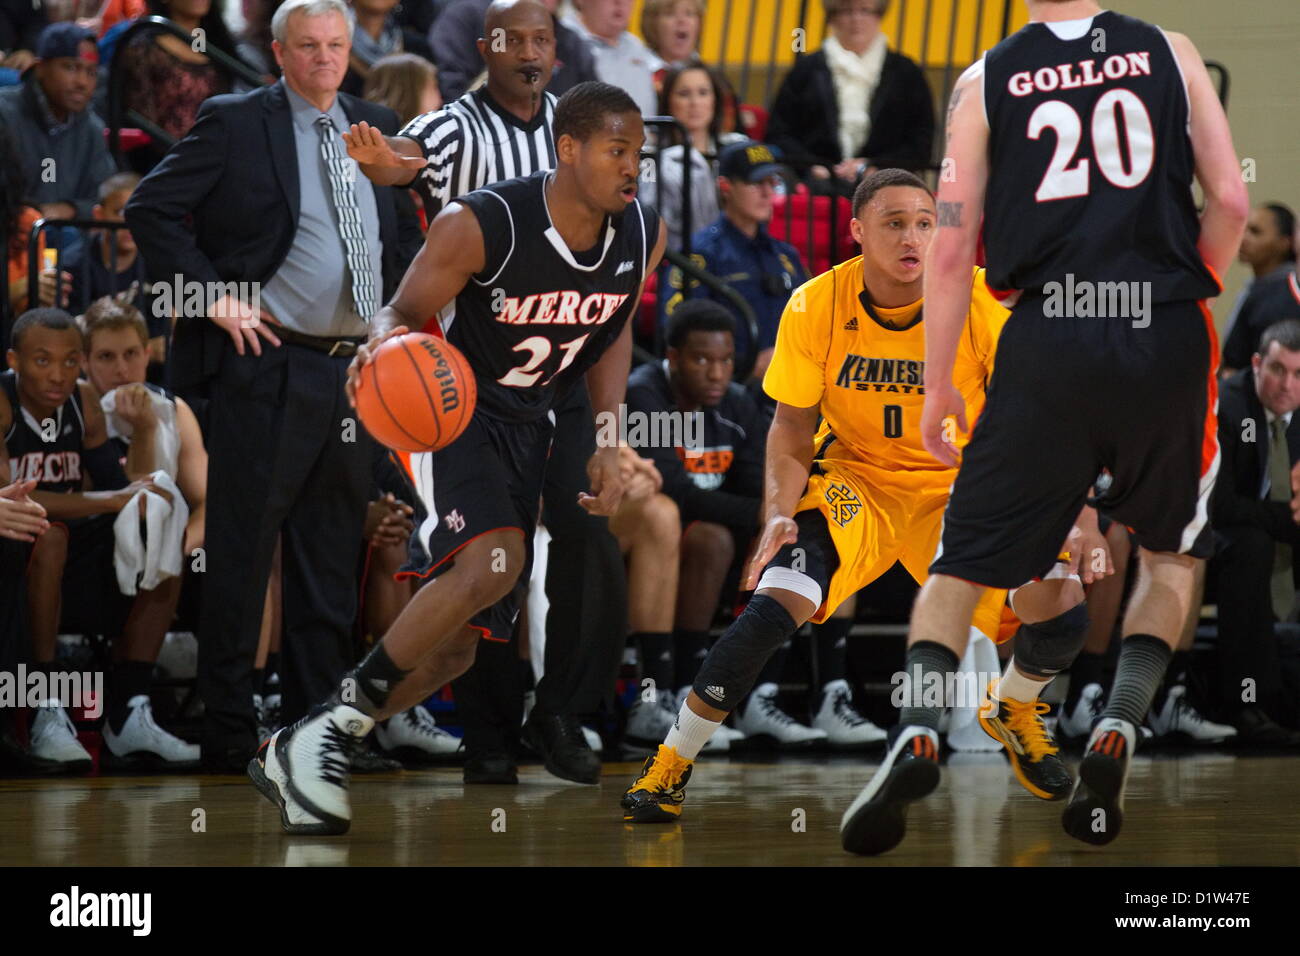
(738,249)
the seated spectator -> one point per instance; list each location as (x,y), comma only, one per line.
(77,551)
(691,96)
(16,221)
(1272,299)
(167,79)
(854,105)
(460,62)
(375,35)
(110,265)
(671,29)
(416,17)
(1269,247)
(406,84)
(114,12)
(254,45)
(738,249)
(622,60)
(21,23)
(717,488)
(53,128)
(1256,517)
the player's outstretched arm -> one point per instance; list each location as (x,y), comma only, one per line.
(453,252)
(789,457)
(1227,204)
(385,160)
(952,256)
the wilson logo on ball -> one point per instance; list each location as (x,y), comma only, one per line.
(417,393)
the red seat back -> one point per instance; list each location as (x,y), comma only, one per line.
(824,252)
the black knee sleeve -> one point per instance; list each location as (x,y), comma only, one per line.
(1049,647)
(729,672)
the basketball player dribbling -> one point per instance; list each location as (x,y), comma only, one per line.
(544,272)
(1085,130)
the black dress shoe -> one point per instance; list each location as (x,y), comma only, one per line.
(562,745)
(1256,729)
(490,766)
(367,760)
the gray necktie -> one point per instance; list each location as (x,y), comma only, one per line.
(1282,583)
(349,220)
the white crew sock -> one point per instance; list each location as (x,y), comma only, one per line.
(690,732)
(1016,686)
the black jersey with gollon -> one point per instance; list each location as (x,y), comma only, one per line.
(48,450)
(1091,162)
(539,315)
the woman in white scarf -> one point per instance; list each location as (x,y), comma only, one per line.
(855,52)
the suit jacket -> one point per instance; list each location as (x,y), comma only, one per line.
(1243,464)
(805,120)
(234,177)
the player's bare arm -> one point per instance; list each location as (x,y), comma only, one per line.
(607,385)
(21,517)
(452,253)
(785,475)
(952,256)
(385,160)
(135,407)
(1227,205)
(192,473)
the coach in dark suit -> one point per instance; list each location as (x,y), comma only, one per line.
(275,202)
(891,122)
(1254,567)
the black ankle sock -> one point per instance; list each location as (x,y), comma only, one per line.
(689,650)
(272,665)
(656,651)
(1087,669)
(1143,660)
(832,649)
(259,678)
(130,679)
(926,658)
(374,679)
(1175,674)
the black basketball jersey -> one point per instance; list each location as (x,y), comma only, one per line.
(1090,161)
(55,464)
(539,315)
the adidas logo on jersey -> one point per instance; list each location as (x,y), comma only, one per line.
(851,325)
(716,692)
(625,266)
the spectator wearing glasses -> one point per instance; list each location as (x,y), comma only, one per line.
(738,249)
(854,105)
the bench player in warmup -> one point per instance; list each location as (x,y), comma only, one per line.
(1085,130)
(544,272)
(842,507)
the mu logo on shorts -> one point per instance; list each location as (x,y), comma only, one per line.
(844,503)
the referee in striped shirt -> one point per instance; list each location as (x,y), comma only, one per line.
(499,132)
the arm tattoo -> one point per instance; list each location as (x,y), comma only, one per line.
(950,214)
(952,110)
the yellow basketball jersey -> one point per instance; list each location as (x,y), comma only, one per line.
(868,377)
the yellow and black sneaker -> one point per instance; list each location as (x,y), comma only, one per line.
(658,794)
(1019,727)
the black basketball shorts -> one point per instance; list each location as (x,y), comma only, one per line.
(1070,397)
(488,479)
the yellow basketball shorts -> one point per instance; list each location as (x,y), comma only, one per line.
(871,521)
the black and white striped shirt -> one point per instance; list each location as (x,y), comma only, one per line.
(473,142)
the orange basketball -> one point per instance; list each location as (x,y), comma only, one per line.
(417,393)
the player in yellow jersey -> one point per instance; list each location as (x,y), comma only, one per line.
(850,488)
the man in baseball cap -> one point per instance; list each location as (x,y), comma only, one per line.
(59,138)
(737,247)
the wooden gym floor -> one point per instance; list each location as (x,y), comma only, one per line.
(1195,810)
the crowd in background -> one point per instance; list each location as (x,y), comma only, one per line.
(94,346)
